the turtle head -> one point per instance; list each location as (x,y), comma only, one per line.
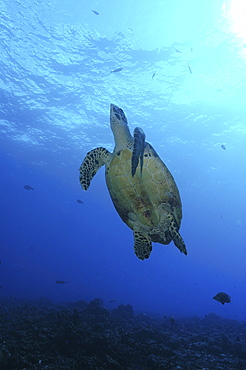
(119,126)
(117,117)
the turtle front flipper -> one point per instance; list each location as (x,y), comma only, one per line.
(142,244)
(177,238)
(94,160)
(138,150)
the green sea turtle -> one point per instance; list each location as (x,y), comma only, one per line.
(142,189)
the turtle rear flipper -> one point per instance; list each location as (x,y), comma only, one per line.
(142,245)
(94,160)
(177,238)
(138,150)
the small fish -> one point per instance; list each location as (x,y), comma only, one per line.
(222,298)
(61,282)
(112,301)
(116,70)
(28,187)
(223,147)
(95,12)
(80,201)
(153,75)
(189,67)
(178,51)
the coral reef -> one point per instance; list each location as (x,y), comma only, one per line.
(41,335)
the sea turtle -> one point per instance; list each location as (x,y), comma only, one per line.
(142,189)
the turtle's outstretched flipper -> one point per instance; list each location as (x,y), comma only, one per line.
(142,245)
(138,150)
(177,238)
(94,160)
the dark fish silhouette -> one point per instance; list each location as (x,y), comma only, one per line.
(95,12)
(189,67)
(61,282)
(28,187)
(178,51)
(116,70)
(112,301)
(223,147)
(153,75)
(80,201)
(222,298)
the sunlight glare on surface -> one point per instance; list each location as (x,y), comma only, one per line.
(238,16)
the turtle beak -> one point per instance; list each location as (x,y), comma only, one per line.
(117,116)
(114,109)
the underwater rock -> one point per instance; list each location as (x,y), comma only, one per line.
(95,307)
(125,311)
(96,302)
(214,350)
(81,335)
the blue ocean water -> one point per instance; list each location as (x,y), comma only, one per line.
(183,81)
